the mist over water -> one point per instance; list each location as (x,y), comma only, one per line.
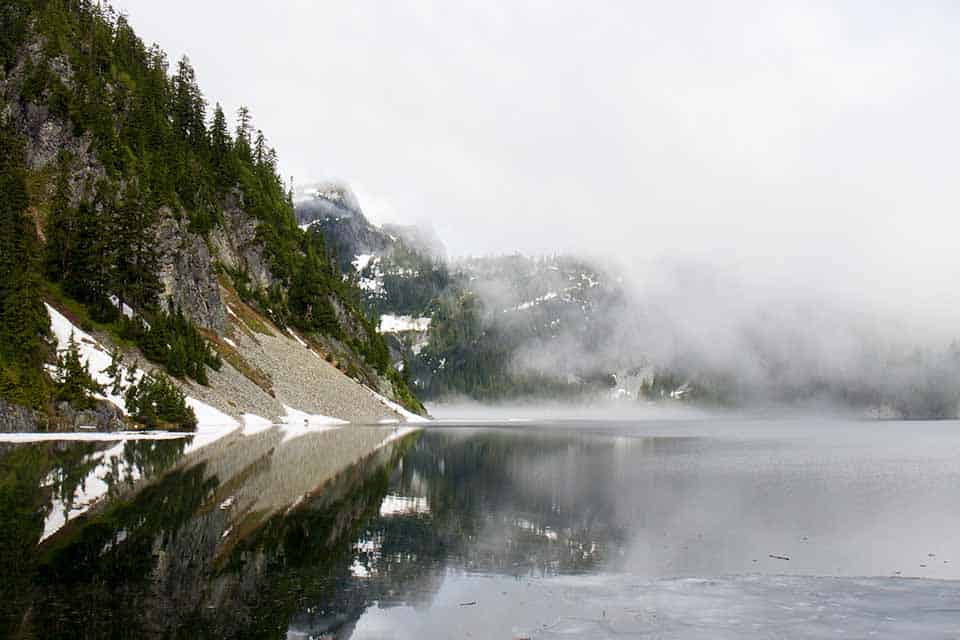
(773,184)
(799,336)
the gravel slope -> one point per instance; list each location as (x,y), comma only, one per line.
(301,380)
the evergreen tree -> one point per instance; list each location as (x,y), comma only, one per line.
(136,260)
(156,401)
(244,126)
(75,385)
(310,296)
(90,271)
(115,371)
(199,372)
(14,16)
(177,359)
(61,223)
(189,107)
(220,147)
(23,319)
(260,151)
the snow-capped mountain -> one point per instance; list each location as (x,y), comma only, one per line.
(487,327)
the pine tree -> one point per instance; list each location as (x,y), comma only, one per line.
(242,144)
(260,149)
(115,371)
(155,399)
(92,272)
(177,361)
(220,146)
(309,298)
(75,385)
(199,373)
(61,223)
(136,259)
(189,107)
(23,319)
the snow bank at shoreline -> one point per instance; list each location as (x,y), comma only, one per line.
(212,424)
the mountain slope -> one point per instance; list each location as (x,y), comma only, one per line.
(147,220)
(488,328)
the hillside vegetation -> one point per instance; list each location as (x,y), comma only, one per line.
(126,195)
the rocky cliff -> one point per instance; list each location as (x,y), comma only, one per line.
(114,148)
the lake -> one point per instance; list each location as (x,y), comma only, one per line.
(801,528)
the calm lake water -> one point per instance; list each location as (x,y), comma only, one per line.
(686,529)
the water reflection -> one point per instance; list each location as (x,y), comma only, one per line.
(207,545)
(362,532)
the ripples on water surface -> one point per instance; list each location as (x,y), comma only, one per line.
(574,529)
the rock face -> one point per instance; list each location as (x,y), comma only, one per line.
(192,270)
(103,417)
(15,419)
(189,262)
(187,274)
(335,211)
(236,246)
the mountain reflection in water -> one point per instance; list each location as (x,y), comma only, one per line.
(367,532)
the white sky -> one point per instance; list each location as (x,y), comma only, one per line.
(815,140)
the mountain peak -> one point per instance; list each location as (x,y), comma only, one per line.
(330,198)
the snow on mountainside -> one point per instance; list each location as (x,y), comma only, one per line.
(397,324)
(97,358)
(476,326)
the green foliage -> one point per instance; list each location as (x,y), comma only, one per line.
(14,15)
(312,288)
(149,130)
(23,319)
(173,341)
(74,383)
(470,356)
(104,246)
(115,372)
(155,401)
(374,349)
(411,281)
(401,386)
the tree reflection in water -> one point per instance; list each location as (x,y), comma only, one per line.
(257,537)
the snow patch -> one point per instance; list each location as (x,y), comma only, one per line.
(408,416)
(299,340)
(125,309)
(252,423)
(90,490)
(91,352)
(212,424)
(297,423)
(394,505)
(527,305)
(395,324)
(361,261)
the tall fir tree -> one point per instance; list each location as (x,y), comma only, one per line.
(24,323)
(133,245)
(75,384)
(220,148)
(61,224)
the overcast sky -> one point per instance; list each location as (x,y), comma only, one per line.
(747,132)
